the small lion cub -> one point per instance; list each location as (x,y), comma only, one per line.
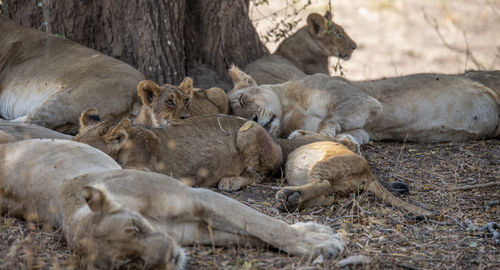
(163,104)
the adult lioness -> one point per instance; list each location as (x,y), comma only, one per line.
(48,80)
(420,107)
(162,104)
(13,132)
(203,151)
(131,219)
(305,52)
(315,171)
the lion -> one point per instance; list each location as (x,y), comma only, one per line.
(13,132)
(315,171)
(162,104)
(304,53)
(128,219)
(331,106)
(209,150)
(418,108)
(48,80)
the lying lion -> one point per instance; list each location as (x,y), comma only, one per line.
(315,171)
(420,107)
(203,151)
(305,52)
(13,132)
(162,104)
(48,80)
(130,219)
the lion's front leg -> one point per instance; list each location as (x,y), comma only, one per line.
(228,215)
(329,127)
(234,183)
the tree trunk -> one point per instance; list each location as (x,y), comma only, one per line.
(164,39)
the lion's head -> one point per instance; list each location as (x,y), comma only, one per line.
(321,37)
(121,238)
(133,147)
(254,102)
(160,104)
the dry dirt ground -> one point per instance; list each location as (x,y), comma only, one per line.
(456,180)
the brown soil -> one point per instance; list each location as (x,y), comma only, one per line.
(389,236)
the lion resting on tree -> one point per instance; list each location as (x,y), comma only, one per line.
(132,219)
(420,107)
(48,80)
(305,52)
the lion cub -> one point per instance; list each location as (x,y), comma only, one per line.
(202,151)
(315,171)
(162,104)
(304,53)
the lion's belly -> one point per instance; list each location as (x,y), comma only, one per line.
(463,112)
(19,99)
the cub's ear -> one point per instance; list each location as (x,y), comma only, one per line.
(118,135)
(97,200)
(89,117)
(148,90)
(186,86)
(240,78)
(317,23)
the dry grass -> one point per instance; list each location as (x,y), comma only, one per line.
(389,236)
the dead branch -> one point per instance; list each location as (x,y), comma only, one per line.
(487,185)
(468,54)
(491,227)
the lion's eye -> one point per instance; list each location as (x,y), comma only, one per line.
(170,102)
(241,101)
(186,101)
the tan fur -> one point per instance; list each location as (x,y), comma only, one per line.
(433,108)
(419,107)
(305,52)
(315,171)
(161,105)
(48,80)
(328,105)
(131,219)
(13,132)
(203,151)
(165,103)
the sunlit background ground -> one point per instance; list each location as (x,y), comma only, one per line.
(398,37)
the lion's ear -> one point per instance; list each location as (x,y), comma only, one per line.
(97,200)
(240,78)
(147,90)
(119,134)
(328,15)
(317,23)
(187,86)
(89,117)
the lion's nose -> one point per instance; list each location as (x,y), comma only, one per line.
(184,117)
(353,45)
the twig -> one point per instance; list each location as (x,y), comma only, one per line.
(491,227)
(475,186)
(354,260)
(266,186)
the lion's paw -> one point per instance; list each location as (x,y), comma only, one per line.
(350,142)
(315,239)
(287,199)
(300,133)
(233,183)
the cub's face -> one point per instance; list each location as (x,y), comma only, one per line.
(165,103)
(331,36)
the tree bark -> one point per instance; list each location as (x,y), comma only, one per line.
(164,39)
